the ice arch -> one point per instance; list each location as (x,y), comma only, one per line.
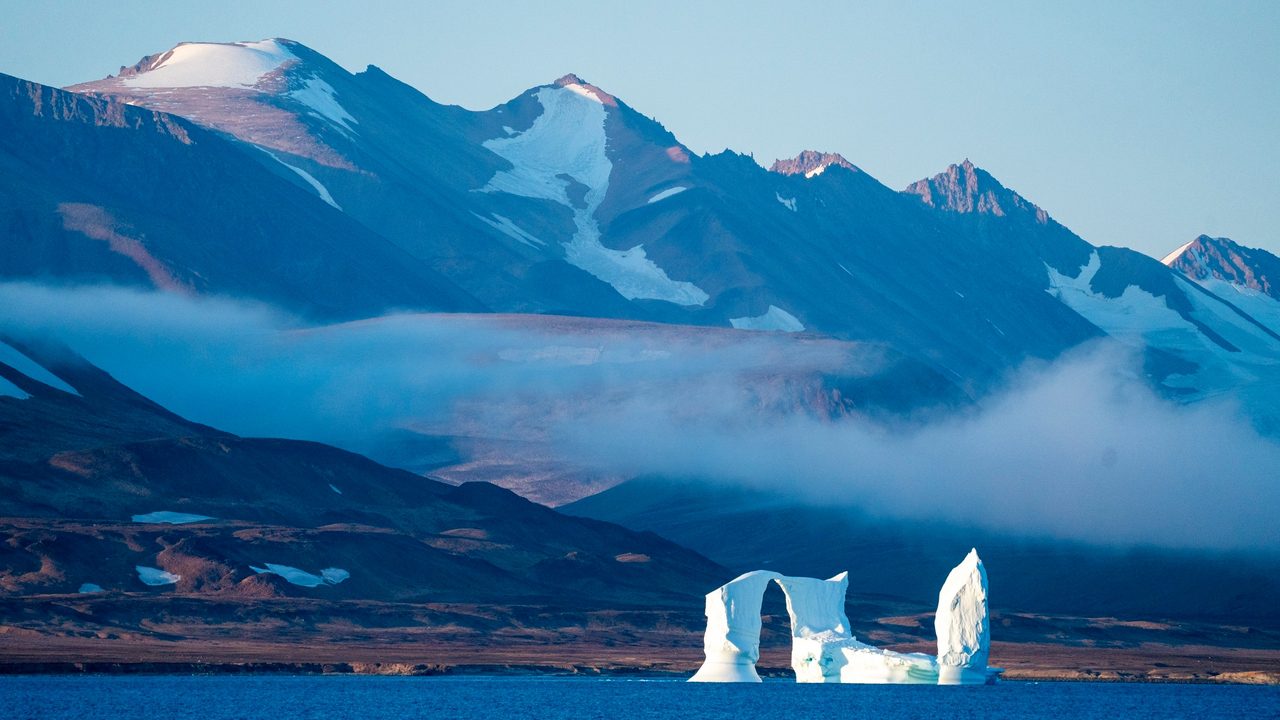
(822,647)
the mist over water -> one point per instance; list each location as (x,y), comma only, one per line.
(1079,448)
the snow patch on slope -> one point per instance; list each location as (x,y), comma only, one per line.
(230,65)
(8,389)
(170,518)
(1136,313)
(775,318)
(302,578)
(1142,319)
(320,97)
(788,203)
(568,140)
(507,227)
(666,194)
(16,359)
(1264,308)
(307,177)
(155,577)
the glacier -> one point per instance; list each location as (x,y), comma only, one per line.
(823,650)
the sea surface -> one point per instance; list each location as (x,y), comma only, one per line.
(314,697)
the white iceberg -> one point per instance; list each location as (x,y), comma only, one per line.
(822,648)
(962,625)
(732,640)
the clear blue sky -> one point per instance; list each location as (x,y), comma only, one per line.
(1134,123)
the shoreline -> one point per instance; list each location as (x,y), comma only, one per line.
(463,670)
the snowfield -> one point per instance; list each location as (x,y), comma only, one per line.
(666,194)
(1264,308)
(229,65)
(170,518)
(1251,371)
(155,577)
(568,140)
(302,578)
(775,318)
(8,389)
(320,97)
(1132,314)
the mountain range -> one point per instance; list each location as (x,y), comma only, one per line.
(265,172)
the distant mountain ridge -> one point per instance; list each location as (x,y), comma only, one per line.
(565,200)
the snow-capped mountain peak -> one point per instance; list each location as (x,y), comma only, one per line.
(277,94)
(576,84)
(811,163)
(201,64)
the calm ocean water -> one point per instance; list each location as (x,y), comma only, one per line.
(311,697)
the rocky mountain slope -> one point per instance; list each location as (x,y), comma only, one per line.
(104,491)
(1248,278)
(95,190)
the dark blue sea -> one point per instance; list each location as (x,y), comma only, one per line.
(316,697)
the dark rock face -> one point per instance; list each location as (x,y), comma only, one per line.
(1224,259)
(965,188)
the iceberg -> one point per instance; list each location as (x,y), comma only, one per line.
(962,625)
(732,639)
(823,650)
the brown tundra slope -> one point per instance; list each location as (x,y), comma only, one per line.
(80,460)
